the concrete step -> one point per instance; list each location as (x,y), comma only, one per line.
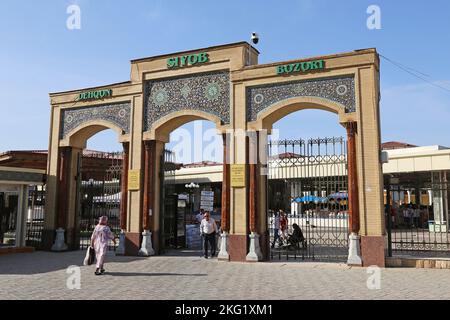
(416,262)
(9,250)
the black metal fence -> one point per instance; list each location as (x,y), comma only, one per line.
(417,212)
(8,218)
(307,185)
(35,216)
(99,193)
(172,223)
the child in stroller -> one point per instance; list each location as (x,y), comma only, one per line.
(296,238)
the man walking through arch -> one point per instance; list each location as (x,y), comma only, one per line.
(208,229)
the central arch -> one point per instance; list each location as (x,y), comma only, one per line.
(154,154)
(161,129)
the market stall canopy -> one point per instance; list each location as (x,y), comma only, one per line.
(111,198)
(338,196)
(309,198)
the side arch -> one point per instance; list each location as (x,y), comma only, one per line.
(80,134)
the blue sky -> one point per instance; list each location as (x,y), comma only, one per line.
(40,55)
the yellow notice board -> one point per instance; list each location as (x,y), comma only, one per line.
(237,175)
(134,179)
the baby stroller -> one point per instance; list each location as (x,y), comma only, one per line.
(296,240)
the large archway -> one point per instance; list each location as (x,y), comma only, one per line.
(307,183)
(166,225)
(90,182)
(225,85)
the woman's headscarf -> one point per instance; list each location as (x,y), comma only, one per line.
(103,220)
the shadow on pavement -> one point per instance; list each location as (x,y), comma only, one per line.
(184,253)
(146,274)
(44,261)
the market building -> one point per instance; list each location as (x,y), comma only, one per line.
(412,175)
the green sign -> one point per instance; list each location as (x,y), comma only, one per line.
(301,67)
(189,60)
(94,95)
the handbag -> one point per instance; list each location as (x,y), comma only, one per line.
(90,256)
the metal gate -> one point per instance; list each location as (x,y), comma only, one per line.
(169,222)
(35,216)
(307,185)
(419,210)
(8,217)
(99,187)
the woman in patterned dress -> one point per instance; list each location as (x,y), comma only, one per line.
(99,241)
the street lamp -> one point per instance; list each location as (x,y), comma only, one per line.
(191,187)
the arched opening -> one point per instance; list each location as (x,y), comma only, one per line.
(191,164)
(98,160)
(307,182)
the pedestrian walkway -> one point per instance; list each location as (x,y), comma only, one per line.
(42,275)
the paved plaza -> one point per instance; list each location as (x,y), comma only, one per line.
(43,275)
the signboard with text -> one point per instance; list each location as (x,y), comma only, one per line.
(306,66)
(188,60)
(133,179)
(207,200)
(237,175)
(95,95)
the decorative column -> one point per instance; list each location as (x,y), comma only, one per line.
(225,218)
(440,200)
(123,198)
(354,251)
(21,221)
(62,182)
(254,250)
(149,198)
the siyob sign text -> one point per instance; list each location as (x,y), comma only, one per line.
(188,60)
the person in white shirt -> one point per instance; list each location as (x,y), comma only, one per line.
(276,229)
(208,229)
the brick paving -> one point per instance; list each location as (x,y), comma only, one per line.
(42,275)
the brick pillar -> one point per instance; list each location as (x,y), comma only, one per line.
(121,250)
(124,187)
(63,184)
(65,155)
(225,218)
(254,253)
(353,201)
(149,182)
(354,254)
(252,201)
(148,207)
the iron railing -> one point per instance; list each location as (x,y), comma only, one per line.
(307,181)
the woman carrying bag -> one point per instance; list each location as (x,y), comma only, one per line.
(90,256)
(99,241)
